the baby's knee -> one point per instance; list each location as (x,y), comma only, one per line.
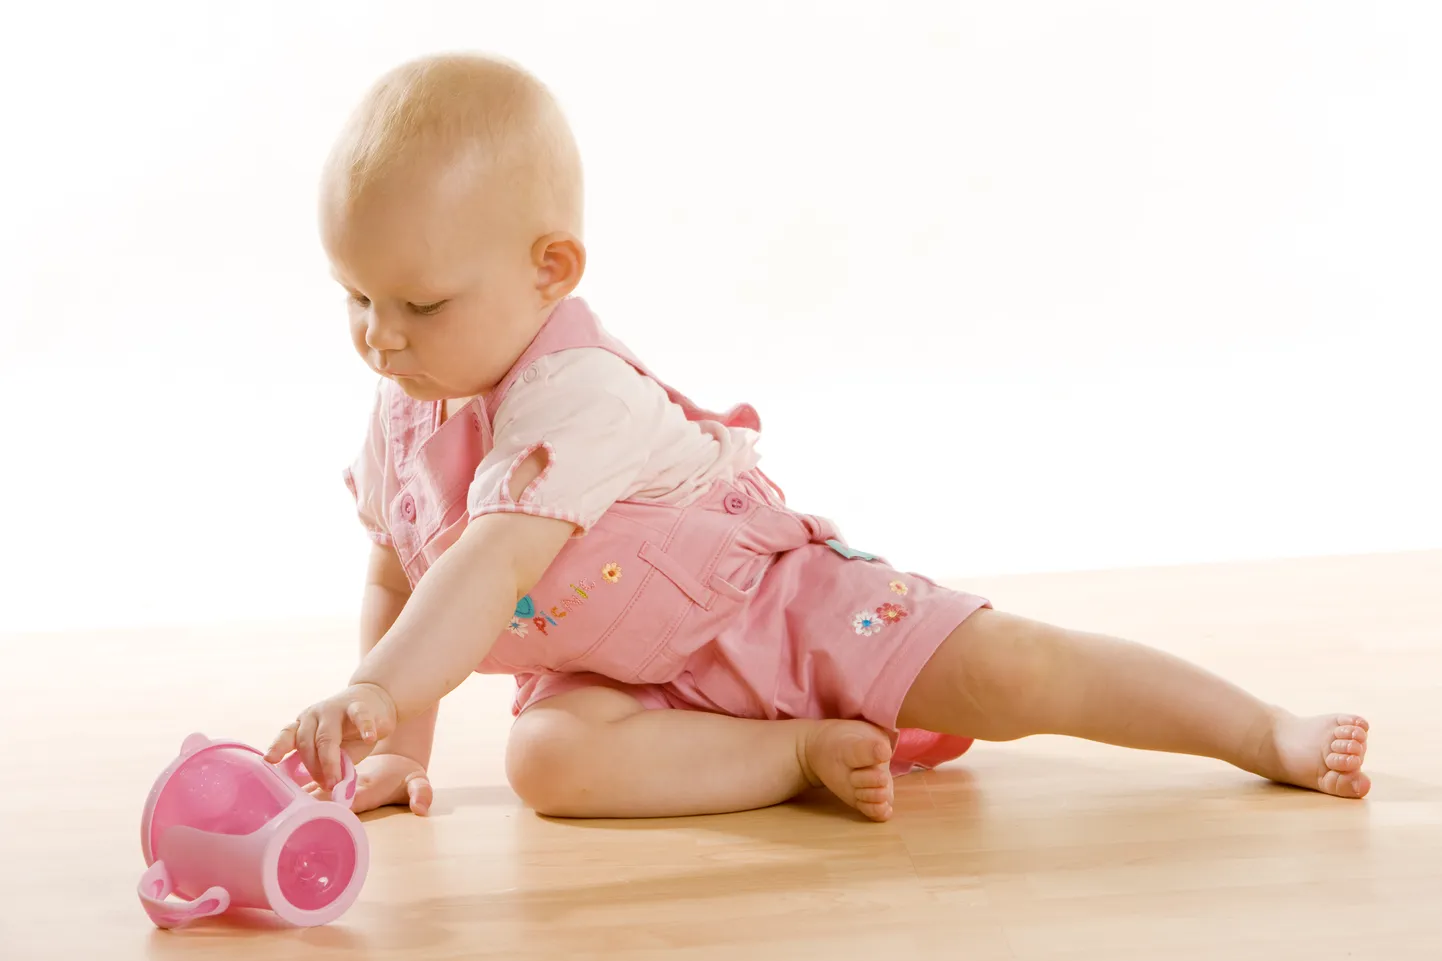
(547,756)
(1008,670)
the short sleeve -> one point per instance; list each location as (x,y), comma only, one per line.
(595,417)
(368,473)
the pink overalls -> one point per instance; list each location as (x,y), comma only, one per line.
(733,603)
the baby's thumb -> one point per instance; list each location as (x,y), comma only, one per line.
(360,716)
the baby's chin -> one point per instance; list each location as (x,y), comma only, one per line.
(419,387)
(422,388)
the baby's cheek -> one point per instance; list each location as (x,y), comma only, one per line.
(358,336)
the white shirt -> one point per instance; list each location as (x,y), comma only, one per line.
(610,434)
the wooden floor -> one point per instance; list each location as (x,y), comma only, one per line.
(1046,849)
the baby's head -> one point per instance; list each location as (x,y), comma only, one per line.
(450,209)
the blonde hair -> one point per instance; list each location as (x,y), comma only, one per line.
(468,108)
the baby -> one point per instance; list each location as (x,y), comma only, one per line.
(542,505)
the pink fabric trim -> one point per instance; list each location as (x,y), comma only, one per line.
(496,507)
(530,490)
(523,506)
(945,613)
(533,689)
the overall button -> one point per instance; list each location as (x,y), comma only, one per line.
(735,503)
(408,507)
(529,375)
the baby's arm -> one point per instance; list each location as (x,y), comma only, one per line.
(459,609)
(441,634)
(396,772)
(386,594)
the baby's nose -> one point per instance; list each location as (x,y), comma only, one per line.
(383,336)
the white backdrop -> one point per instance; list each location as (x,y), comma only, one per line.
(1015,286)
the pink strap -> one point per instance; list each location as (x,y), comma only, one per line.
(571,325)
(155,888)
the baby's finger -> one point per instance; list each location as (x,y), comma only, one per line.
(357,751)
(327,745)
(305,742)
(283,744)
(419,793)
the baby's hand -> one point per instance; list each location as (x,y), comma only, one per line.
(387,779)
(351,721)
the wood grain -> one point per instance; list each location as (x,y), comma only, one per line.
(1043,849)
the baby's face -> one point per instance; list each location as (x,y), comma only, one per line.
(442,290)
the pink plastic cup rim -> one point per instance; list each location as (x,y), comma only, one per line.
(292,818)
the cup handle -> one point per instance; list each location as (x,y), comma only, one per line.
(343,793)
(155,888)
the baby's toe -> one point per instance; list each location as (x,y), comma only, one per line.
(1344,763)
(1351,732)
(874,795)
(874,776)
(864,751)
(876,812)
(1343,744)
(1353,785)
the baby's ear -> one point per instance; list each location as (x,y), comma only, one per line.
(560,261)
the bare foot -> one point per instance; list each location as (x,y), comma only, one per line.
(1321,753)
(851,759)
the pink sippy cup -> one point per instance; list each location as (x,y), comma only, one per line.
(225,828)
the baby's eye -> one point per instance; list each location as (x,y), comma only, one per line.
(359,300)
(425,310)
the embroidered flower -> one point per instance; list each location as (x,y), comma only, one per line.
(518,627)
(898,588)
(866,623)
(891,613)
(611,573)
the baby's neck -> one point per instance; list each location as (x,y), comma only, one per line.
(454,404)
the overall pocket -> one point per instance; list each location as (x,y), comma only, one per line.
(717,560)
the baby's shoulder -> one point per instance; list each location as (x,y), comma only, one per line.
(591,372)
(595,364)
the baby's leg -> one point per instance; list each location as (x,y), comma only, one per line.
(999,677)
(598,753)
